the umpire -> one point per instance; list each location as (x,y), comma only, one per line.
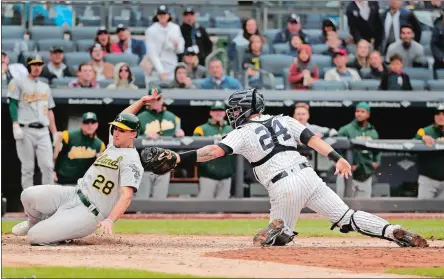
(76,150)
(30,107)
(431,164)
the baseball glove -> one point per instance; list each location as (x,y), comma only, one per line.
(158,160)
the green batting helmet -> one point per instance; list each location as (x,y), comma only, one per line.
(127,121)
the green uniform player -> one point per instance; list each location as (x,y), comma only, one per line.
(364,162)
(76,150)
(215,176)
(431,164)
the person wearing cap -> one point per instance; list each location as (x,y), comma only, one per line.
(437,43)
(395,79)
(341,72)
(194,70)
(10,71)
(56,68)
(157,121)
(104,70)
(31,108)
(195,36)
(431,164)
(129,45)
(412,52)
(181,80)
(164,42)
(215,176)
(328,25)
(76,150)
(364,22)
(103,38)
(293,28)
(365,162)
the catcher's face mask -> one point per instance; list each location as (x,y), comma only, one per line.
(236,116)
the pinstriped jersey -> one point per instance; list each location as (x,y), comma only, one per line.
(254,142)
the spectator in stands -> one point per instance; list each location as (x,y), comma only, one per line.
(431,174)
(130,45)
(123,77)
(302,114)
(412,52)
(334,43)
(157,121)
(195,36)
(365,162)
(215,176)
(249,28)
(104,39)
(341,72)
(85,77)
(434,4)
(194,70)
(293,28)
(10,71)
(165,42)
(437,44)
(217,78)
(56,68)
(295,43)
(364,21)
(181,80)
(327,26)
(103,69)
(395,17)
(377,68)
(395,79)
(251,61)
(362,59)
(303,71)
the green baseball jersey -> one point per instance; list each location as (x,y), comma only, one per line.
(220,168)
(363,159)
(431,163)
(165,123)
(77,155)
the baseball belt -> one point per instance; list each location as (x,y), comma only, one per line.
(34,125)
(284,174)
(87,203)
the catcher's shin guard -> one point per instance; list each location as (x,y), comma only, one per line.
(273,235)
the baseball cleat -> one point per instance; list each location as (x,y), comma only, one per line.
(405,238)
(21,229)
(267,236)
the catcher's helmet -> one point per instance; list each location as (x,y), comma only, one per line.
(33,59)
(126,121)
(243,104)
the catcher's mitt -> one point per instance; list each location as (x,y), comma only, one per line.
(158,160)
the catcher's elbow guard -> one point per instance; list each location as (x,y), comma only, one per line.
(189,157)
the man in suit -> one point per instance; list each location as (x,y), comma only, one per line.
(392,20)
(129,45)
(364,22)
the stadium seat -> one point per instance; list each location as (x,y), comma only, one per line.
(343,35)
(83,33)
(139,75)
(105,82)
(228,22)
(75,58)
(351,49)
(32,46)
(90,21)
(45,80)
(281,48)
(204,21)
(131,59)
(12,32)
(426,37)
(84,45)
(365,73)
(436,85)
(12,56)
(257,190)
(274,63)
(45,45)
(287,85)
(328,85)
(366,85)
(418,73)
(322,61)
(315,35)
(61,82)
(417,85)
(8,44)
(191,189)
(46,32)
(440,73)
(270,34)
(319,48)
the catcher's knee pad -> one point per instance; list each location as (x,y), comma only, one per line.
(344,223)
(283,239)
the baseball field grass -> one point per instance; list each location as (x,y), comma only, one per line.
(429,228)
(429,271)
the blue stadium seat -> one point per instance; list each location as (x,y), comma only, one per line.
(84,45)
(328,85)
(315,35)
(131,59)
(12,56)
(139,75)
(426,38)
(105,82)
(366,85)
(12,32)
(46,32)
(45,45)
(274,63)
(281,48)
(228,22)
(365,73)
(203,20)
(343,35)
(61,82)
(91,21)
(319,48)
(271,33)
(417,85)
(351,49)
(419,73)
(436,85)
(323,61)
(75,58)
(440,73)
(287,85)
(83,33)
(32,46)
(8,44)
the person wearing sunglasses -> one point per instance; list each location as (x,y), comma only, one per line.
(123,77)
(75,150)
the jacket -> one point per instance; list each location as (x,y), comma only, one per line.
(365,29)
(296,78)
(197,72)
(405,17)
(165,123)
(197,36)
(122,84)
(227,83)
(137,47)
(411,57)
(108,70)
(284,36)
(431,164)
(162,51)
(333,74)
(46,73)
(437,43)
(384,85)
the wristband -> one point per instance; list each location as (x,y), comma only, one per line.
(109,220)
(334,156)
(189,157)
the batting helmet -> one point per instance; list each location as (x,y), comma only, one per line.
(243,104)
(127,121)
(34,59)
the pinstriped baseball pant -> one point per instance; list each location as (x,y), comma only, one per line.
(304,188)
